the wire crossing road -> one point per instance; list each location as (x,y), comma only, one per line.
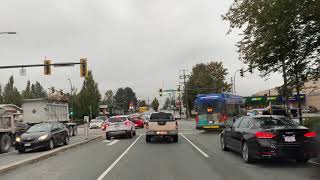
(197,156)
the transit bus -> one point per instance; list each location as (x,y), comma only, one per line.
(214,110)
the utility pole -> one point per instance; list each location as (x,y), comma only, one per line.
(72,103)
(179,97)
(184,76)
(232,86)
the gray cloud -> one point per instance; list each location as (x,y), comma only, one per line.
(140,43)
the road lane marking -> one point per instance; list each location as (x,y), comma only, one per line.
(118,159)
(113,142)
(312,162)
(8,153)
(196,147)
(106,141)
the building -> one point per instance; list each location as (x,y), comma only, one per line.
(311,92)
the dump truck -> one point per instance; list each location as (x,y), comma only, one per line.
(47,110)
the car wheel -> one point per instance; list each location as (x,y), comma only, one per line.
(130,134)
(175,138)
(246,153)
(51,144)
(66,140)
(5,143)
(302,159)
(223,144)
(134,133)
(148,138)
(21,151)
(108,136)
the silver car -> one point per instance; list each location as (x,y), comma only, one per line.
(119,126)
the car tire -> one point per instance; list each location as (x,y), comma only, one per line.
(134,133)
(5,143)
(51,144)
(21,151)
(223,144)
(66,140)
(108,136)
(175,138)
(246,153)
(130,134)
(302,159)
(148,138)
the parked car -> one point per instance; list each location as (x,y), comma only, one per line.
(269,136)
(162,124)
(119,126)
(43,135)
(138,121)
(306,109)
(95,123)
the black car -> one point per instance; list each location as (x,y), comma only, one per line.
(43,135)
(265,136)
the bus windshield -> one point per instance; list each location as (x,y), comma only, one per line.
(209,107)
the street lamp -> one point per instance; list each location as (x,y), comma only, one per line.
(234,81)
(8,32)
(71,90)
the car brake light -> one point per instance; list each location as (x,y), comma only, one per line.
(127,123)
(310,134)
(265,135)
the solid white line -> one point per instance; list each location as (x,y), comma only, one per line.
(106,141)
(117,160)
(196,147)
(314,162)
(113,142)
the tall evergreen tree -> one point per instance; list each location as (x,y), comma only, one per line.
(155,104)
(27,94)
(11,95)
(38,91)
(89,96)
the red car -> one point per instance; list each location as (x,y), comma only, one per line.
(138,121)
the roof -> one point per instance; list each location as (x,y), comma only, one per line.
(7,106)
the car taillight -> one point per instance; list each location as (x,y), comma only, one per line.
(197,118)
(310,134)
(224,117)
(265,135)
(104,126)
(127,123)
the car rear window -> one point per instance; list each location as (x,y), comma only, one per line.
(117,119)
(161,116)
(274,121)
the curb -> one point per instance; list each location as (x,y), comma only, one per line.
(53,152)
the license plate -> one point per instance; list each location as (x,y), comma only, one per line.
(210,122)
(162,132)
(289,139)
(211,127)
(27,145)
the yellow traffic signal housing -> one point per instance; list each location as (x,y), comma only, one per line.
(83,67)
(47,67)
(160,92)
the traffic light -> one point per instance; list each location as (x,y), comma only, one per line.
(83,67)
(47,67)
(241,73)
(178,90)
(160,92)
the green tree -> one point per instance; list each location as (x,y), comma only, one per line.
(89,96)
(155,104)
(108,100)
(38,91)
(206,78)
(143,103)
(123,98)
(11,95)
(279,36)
(27,94)
(1,96)
(166,104)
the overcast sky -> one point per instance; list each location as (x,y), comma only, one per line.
(138,43)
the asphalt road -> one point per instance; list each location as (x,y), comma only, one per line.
(197,156)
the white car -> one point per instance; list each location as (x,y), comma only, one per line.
(119,126)
(95,123)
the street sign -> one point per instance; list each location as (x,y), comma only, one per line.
(86,119)
(23,72)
